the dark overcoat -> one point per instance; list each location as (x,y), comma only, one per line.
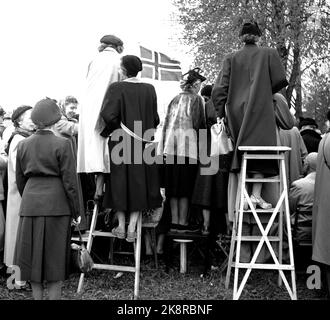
(321,208)
(245,86)
(46,178)
(134,185)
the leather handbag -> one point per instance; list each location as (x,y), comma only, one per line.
(81,260)
(221,142)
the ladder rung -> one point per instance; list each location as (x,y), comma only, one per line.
(262,180)
(112,267)
(263,266)
(264,148)
(257,238)
(265,156)
(260,211)
(103,234)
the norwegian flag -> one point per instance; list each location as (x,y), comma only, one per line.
(158,66)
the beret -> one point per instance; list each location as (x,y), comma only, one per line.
(132,64)
(45,113)
(111,39)
(250,28)
(18,112)
(307,122)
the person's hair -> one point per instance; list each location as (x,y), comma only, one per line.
(69,100)
(2,112)
(250,38)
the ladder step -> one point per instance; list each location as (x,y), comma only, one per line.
(264,148)
(112,267)
(263,266)
(265,156)
(262,180)
(271,210)
(257,238)
(103,234)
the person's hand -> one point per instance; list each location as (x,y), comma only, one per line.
(76,222)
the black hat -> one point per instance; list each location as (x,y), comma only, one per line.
(46,113)
(307,122)
(132,64)
(192,75)
(250,28)
(111,39)
(18,112)
(207,90)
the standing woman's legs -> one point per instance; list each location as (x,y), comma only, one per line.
(174,204)
(54,290)
(37,290)
(183,211)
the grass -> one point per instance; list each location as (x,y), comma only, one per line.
(172,285)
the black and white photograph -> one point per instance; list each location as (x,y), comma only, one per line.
(167,155)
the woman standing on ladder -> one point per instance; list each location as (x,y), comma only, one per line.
(245,88)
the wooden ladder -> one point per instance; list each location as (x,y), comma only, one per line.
(281,210)
(111,267)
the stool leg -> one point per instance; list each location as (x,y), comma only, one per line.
(183,257)
(154,245)
(138,257)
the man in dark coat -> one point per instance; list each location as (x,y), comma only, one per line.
(309,134)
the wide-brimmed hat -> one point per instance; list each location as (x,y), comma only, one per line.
(250,28)
(45,113)
(307,122)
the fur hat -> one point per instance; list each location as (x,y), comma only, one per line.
(45,113)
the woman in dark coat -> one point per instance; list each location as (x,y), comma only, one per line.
(245,86)
(134,185)
(47,181)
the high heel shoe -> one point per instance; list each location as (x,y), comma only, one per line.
(261,203)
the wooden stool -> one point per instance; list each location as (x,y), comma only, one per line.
(183,253)
(120,268)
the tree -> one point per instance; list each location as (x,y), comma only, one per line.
(318,99)
(299,29)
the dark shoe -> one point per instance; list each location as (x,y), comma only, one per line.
(174,227)
(188,229)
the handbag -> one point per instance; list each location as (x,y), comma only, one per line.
(221,142)
(81,260)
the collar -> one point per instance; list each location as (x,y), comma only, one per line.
(44,131)
(133,80)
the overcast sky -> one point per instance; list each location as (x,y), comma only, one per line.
(46,45)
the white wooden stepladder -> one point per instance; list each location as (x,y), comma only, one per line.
(281,211)
(111,267)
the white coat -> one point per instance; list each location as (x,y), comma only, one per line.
(13,203)
(93,153)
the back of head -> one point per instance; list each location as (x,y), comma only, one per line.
(250,32)
(45,113)
(190,77)
(310,162)
(132,65)
(111,41)
(307,122)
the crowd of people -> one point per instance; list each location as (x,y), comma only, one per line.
(53,160)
